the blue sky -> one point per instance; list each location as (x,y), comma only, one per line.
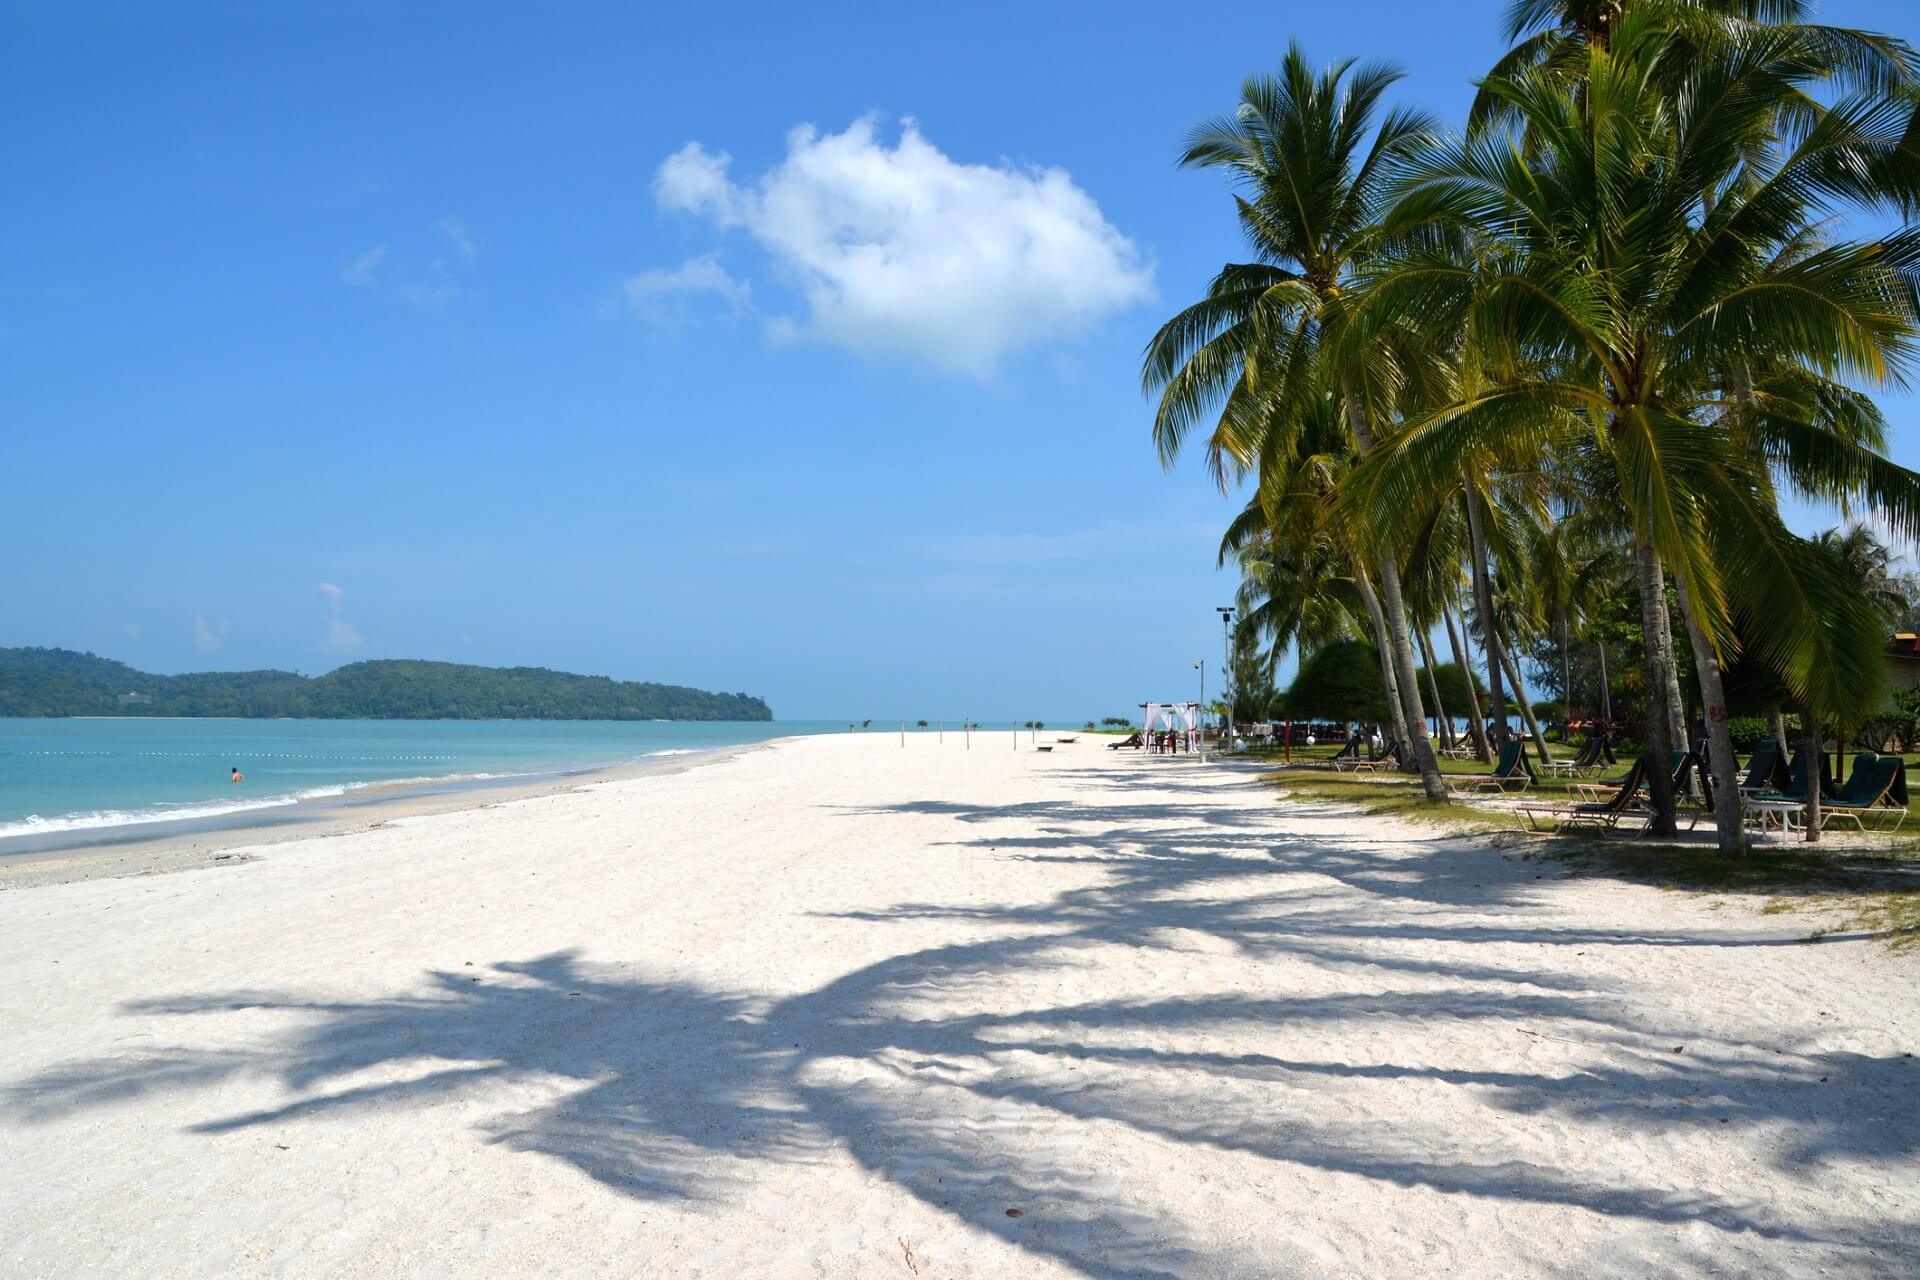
(794,353)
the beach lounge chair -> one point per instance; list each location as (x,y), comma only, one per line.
(1131,740)
(1796,788)
(1388,757)
(1604,814)
(1591,753)
(1878,791)
(1353,750)
(1512,772)
(1769,807)
(1678,769)
(1765,771)
(1692,782)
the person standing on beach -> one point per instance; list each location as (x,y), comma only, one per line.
(237,775)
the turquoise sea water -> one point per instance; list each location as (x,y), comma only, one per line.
(74,775)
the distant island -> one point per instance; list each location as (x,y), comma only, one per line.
(61,682)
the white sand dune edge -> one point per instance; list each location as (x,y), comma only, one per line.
(838,1008)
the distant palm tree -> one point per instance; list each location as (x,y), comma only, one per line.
(1256,353)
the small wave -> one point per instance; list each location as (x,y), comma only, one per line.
(34,824)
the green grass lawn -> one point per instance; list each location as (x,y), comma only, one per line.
(1873,887)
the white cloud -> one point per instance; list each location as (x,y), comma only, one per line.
(902,251)
(458,236)
(363,269)
(206,637)
(426,280)
(695,179)
(655,293)
(341,636)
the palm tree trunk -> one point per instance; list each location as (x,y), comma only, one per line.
(1676,701)
(1729,822)
(1416,716)
(1658,731)
(1433,687)
(1816,756)
(1566,678)
(1606,689)
(1526,706)
(1396,710)
(1421,750)
(1476,727)
(1483,608)
(1777,726)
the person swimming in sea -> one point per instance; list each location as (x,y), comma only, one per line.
(237,775)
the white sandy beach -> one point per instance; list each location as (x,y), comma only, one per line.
(836,1008)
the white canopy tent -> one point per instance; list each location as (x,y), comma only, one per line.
(1167,716)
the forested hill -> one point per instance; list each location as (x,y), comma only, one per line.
(60,682)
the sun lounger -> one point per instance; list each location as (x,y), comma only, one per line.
(1678,769)
(1131,740)
(1768,807)
(1387,758)
(1585,762)
(1512,772)
(1765,771)
(1350,752)
(1881,794)
(1603,814)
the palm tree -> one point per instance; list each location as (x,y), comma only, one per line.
(1254,355)
(1860,557)
(1622,315)
(1555,37)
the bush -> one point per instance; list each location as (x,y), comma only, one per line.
(1750,731)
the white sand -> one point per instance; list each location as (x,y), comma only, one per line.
(833,1008)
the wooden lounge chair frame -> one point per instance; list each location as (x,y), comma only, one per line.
(1889,776)
(1349,752)
(1512,768)
(1389,758)
(1604,814)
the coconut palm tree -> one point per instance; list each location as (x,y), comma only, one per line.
(1687,344)
(1312,154)
(1864,559)
(1303,582)
(1555,37)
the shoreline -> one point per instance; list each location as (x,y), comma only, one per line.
(845,1001)
(226,840)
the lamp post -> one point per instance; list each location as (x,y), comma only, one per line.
(1226,673)
(1201,667)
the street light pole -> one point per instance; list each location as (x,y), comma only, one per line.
(1201,667)
(1226,673)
